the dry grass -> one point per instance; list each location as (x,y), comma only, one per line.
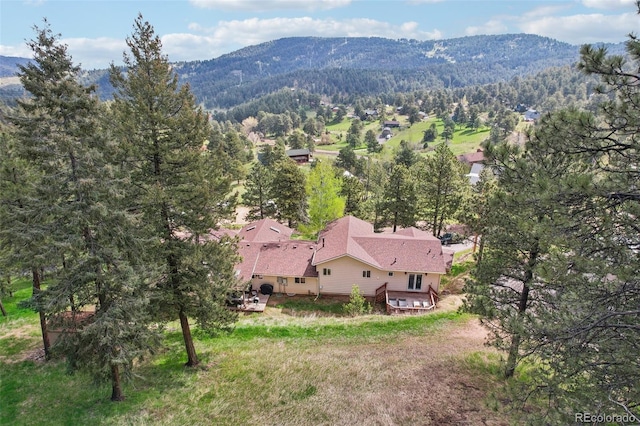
(393,378)
(403,380)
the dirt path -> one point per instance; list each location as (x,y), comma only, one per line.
(241,214)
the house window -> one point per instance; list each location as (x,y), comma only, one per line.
(366,274)
(326,271)
(415,282)
(390,274)
(300,280)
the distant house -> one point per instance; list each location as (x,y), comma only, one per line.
(531,115)
(391,124)
(474,174)
(386,133)
(300,156)
(371,112)
(520,108)
(472,158)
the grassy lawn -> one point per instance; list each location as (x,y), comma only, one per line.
(464,140)
(296,364)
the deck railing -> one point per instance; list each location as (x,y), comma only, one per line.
(381,294)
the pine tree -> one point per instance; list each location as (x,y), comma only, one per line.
(257,195)
(352,190)
(372,142)
(288,192)
(506,284)
(400,198)
(23,246)
(592,333)
(441,185)
(405,155)
(180,191)
(347,159)
(75,202)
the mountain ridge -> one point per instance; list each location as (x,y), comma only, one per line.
(361,65)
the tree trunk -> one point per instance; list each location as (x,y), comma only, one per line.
(480,251)
(192,357)
(512,360)
(116,388)
(514,349)
(9,289)
(395,220)
(43,320)
(4,312)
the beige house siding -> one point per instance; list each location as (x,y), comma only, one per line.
(346,271)
(309,287)
(400,281)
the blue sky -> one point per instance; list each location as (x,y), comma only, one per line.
(95,30)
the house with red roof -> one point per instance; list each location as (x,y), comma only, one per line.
(270,256)
(472,158)
(347,252)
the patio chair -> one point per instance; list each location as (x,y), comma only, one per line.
(393,302)
(402,303)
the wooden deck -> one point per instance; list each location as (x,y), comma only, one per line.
(406,302)
(250,306)
(400,302)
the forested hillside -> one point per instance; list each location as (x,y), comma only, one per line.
(369,65)
(363,66)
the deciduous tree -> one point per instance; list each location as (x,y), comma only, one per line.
(325,201)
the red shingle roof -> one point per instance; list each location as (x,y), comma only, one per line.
(265,230)
(287,258)
(472,157)
(406,250)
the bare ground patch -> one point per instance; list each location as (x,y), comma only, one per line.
(407,381)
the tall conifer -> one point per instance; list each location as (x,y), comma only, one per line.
(71,209)
(180,189)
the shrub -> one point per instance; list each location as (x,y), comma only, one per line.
(357,305)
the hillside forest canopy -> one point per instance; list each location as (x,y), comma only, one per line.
(109,204)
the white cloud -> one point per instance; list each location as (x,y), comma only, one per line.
(609,4)
(493,26)
(587,28)
(202,42)
(544,11)
(263,5)
(268,29)
(20,51)
(231,35)
(95,53)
